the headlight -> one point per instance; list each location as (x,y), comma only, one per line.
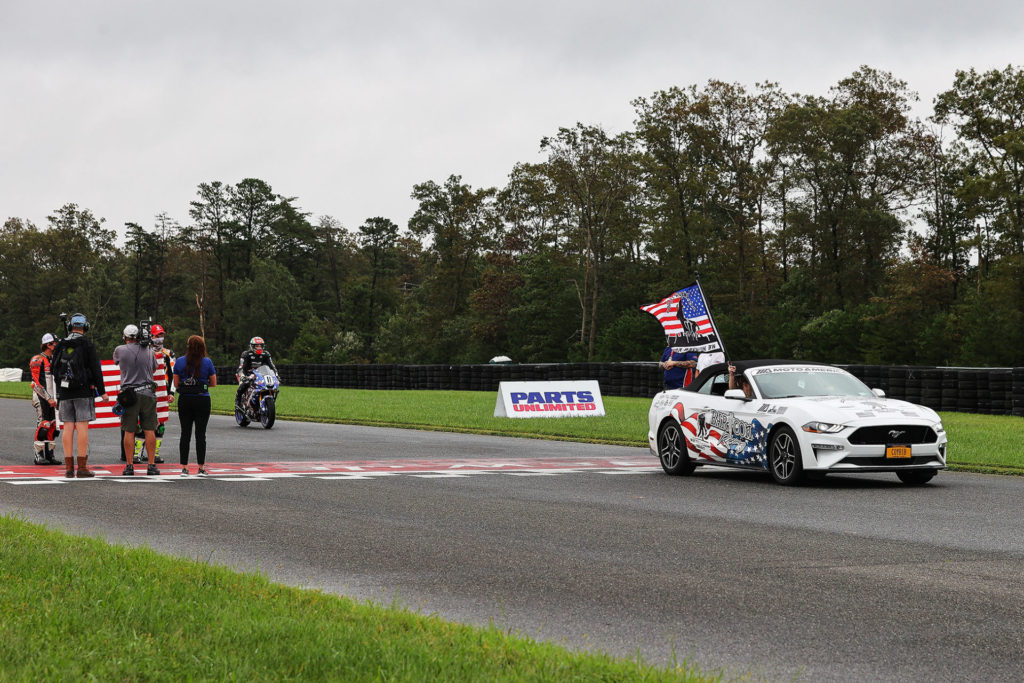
(823,428)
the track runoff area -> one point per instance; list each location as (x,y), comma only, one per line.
(515,400)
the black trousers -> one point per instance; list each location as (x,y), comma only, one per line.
(193,411)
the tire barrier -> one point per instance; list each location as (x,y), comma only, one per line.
(995,391)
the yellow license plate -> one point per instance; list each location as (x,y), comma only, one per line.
(897,451)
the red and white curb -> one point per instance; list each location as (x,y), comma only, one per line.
(348,470)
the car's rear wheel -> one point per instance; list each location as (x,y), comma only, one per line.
(915,477)
(784,460)
(672,450)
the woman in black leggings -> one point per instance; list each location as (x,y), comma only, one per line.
(194,374)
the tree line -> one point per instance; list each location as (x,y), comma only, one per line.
(831,227)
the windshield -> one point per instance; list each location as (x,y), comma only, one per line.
(266,371)
(788,382)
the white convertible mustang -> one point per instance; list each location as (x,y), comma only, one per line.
(800,419)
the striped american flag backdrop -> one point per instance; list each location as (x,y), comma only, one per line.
(112,383)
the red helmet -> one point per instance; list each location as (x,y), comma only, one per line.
(156,330)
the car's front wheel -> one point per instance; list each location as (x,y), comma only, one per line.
(672,450)
(784,460)
(915,477)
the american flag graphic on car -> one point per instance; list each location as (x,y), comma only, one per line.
(716,437)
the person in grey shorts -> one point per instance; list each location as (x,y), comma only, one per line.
(78,378)
(137,364)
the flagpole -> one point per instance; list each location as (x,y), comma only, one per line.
(711,318)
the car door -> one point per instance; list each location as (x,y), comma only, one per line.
(748,429)
(707,419)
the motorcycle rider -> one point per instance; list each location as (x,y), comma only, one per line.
(44,400)
(253,357)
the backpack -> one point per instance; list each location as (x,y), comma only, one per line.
(69,366)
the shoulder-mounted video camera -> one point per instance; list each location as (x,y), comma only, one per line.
(145,336)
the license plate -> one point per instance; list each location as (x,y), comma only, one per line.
(897,451)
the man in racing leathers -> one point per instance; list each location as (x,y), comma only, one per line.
(255,356)
(44,400)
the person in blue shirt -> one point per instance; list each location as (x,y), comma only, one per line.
(194,374)
(678,367)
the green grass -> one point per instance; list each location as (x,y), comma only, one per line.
(455,411)
(981,443)
(79,609)
(985,443)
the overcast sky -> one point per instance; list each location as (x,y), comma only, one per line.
(124,107)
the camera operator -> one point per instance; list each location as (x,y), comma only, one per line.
(79,379)
(152,334)
(137,363)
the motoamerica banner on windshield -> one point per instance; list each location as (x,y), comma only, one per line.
(579,398)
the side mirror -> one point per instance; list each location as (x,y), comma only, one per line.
(735,393)
(878,392)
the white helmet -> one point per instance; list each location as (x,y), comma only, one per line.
(131,332)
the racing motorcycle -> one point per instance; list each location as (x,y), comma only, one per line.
(260,398)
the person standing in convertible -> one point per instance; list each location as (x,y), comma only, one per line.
(678,366)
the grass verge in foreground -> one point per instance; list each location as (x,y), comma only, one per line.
(980,443)
(108,612)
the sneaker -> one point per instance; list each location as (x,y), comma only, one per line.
(158,460)
(136,460)
(202,470)
(184,471)
(128,471)
(152,469)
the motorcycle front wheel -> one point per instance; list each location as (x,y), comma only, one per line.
(268,415)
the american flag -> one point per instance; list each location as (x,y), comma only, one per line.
(105,416)
(686,304)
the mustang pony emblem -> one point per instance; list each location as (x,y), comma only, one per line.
(895,433)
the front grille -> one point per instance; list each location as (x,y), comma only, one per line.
(882,461)
(883,434)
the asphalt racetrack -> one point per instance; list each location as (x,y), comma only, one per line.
(853,578)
